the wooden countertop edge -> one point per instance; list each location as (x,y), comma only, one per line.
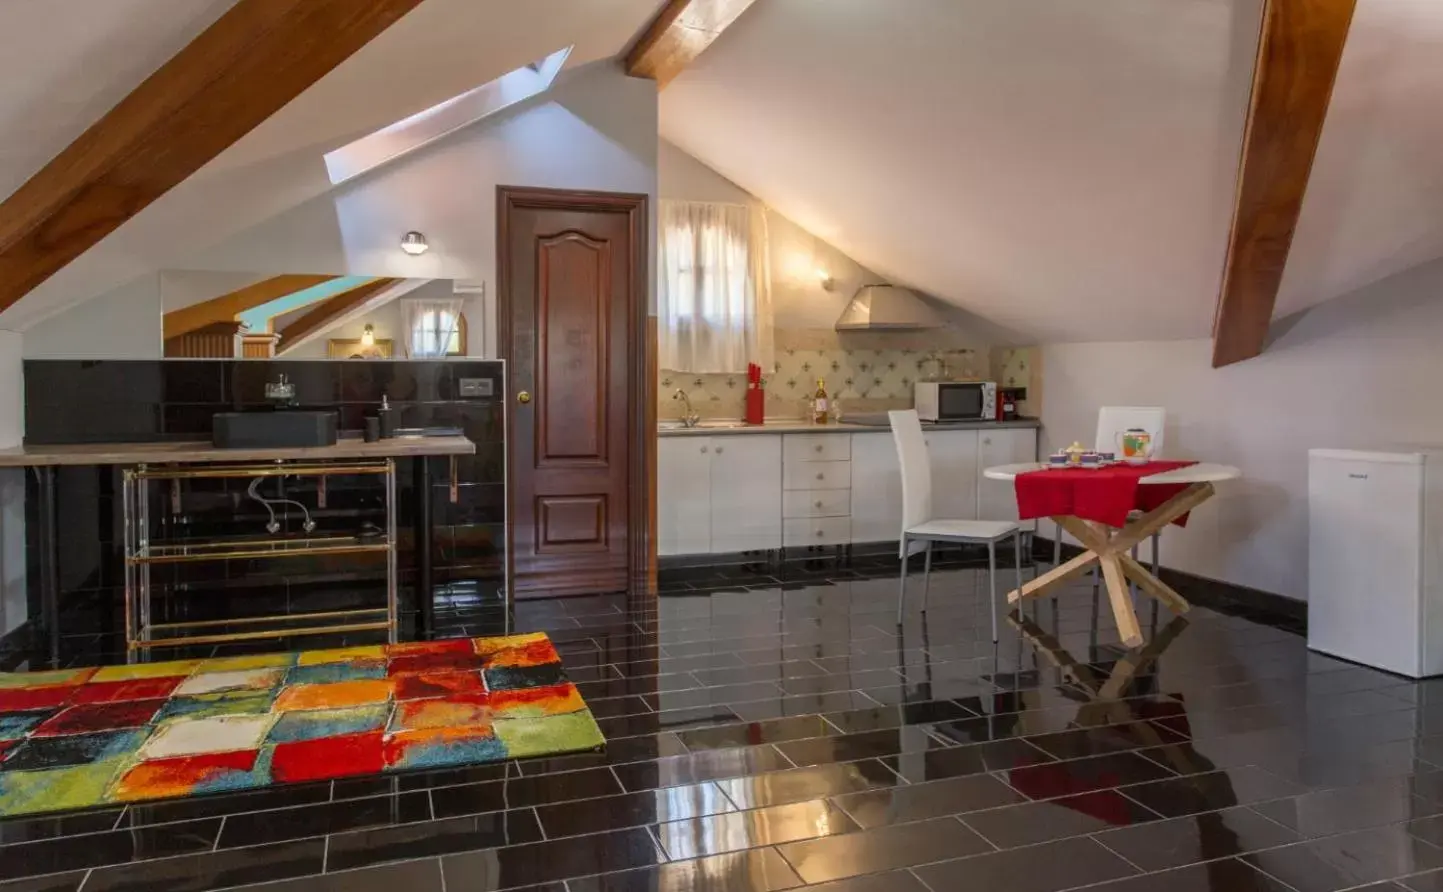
(203,452)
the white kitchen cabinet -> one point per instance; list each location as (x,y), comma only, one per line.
(954,473)
(750,492)
(683,495)
(997,499)
(746,493)
(876,488)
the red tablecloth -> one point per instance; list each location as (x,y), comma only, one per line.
(1105,495)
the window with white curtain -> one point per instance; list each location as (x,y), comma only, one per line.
(437,333)
(713,293)
(436,328)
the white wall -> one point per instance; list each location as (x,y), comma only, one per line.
(181,288)
(1362,371)
(596,129)
(121,324)
(12,486)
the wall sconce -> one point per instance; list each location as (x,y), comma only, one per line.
(368,337)
(414,243)
(826,280)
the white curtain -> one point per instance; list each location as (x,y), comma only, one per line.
(430,324)
(713,288)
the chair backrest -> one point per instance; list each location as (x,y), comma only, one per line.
(916,467)
(1112,420)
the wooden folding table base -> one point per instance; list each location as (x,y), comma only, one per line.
(1109,549)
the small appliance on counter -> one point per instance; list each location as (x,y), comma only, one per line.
(756,409)
(1007,400)
(956,400)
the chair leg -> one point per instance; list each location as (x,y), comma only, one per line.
(992,583)
(902,587)
(1017,555)
(926,577)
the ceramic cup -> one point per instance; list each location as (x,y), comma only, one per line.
(1057,460)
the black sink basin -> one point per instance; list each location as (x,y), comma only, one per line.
(263,430)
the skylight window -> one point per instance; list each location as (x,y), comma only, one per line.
(442,119)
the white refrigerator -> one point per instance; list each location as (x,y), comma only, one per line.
(1375,532)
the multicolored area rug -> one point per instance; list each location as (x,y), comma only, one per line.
(78,738)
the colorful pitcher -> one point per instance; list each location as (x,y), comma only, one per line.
(1134,445)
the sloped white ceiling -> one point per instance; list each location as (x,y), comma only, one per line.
(64,63)
(440,49)
(1062,169)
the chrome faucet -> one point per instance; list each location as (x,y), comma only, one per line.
(691,418)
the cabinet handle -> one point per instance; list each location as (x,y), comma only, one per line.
(819,534)
(819,447)
(987,441)
(703,449)
(819,504)
(821,476)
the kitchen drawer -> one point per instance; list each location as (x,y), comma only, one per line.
(817,475)
(817,531)
(816,447)
(817,503)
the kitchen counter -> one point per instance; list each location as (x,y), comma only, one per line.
(201,451)
(797,426)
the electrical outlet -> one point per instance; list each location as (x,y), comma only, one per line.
(474,387)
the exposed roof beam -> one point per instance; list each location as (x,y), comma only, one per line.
(678,34)
(1298,54)
(328,311)
(253,60)
(228,306)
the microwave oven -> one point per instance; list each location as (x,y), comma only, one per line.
(956,400)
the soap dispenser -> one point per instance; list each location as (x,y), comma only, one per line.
(387,418)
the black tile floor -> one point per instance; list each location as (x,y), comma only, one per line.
(769,735)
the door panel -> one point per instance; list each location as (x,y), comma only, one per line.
(571,351)
(571,275)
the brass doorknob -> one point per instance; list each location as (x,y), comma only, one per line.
(523,397)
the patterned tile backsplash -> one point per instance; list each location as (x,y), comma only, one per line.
(867,374)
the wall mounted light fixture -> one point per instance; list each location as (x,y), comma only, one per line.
(826,280)
(414,243)
(368,337)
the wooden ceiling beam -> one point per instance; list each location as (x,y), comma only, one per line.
(253,60)
(678,34)
(328,311)
(228,306)
(1299,49)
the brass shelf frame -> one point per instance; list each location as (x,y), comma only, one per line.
(141,553)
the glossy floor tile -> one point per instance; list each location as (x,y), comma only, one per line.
(771,728)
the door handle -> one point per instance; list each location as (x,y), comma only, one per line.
(523,397)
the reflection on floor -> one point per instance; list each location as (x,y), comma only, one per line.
(769,738)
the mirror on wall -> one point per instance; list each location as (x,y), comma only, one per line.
(217,314)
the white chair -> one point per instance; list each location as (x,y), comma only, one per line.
(920,529)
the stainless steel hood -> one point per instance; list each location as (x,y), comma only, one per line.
(887,308)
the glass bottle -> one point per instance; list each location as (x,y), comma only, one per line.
(819,403)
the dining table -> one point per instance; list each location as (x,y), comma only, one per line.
(1108,532)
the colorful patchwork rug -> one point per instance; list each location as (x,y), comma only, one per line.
(85,737)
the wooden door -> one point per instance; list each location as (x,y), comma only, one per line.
(572,283)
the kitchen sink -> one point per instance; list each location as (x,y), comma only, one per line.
(272,430)
(701,425)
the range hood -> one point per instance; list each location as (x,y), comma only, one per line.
(887,308)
